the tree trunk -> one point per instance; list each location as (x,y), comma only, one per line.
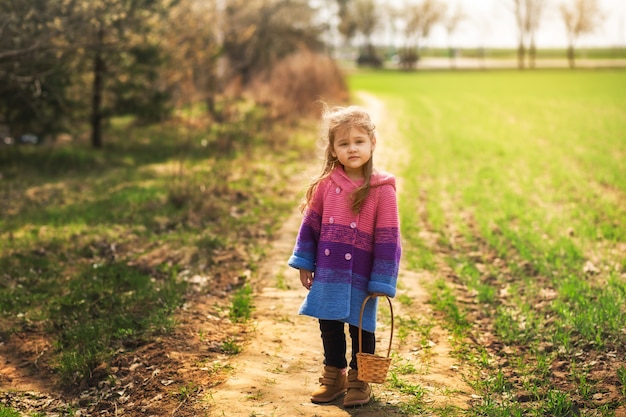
(570,55)
(532,53)
(521,52)
(452,52)
(96,99)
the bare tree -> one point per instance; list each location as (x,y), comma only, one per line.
(521,31)
(418,20)
(365,15)
(581,17)
(534,11)
(527,17)
(257,34)
(347,25)
(452,22)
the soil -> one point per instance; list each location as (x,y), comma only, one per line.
(194,371)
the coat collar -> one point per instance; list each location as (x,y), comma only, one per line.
(339,177)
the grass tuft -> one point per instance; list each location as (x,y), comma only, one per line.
(8,412)
(241,304)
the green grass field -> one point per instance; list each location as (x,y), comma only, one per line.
(522,178)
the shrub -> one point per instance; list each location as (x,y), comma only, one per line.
(296,83)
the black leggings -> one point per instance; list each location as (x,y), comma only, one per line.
(334,341)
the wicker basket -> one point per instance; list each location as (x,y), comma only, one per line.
(371,367)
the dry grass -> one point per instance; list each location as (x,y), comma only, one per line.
(296,84)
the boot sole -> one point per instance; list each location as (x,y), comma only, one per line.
(357,402)
(327,400)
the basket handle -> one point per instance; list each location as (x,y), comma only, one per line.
(361,320)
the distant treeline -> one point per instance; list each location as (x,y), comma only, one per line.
(547,53)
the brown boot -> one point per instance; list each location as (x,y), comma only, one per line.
(359,392)
(333,384)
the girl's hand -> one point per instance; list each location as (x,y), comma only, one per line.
(306,277)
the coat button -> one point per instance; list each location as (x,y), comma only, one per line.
(337,190)
(326,252)
(331,220)
(348,256)
(352,225)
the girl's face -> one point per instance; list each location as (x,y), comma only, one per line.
(353,148)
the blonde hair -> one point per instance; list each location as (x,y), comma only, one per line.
(334,121)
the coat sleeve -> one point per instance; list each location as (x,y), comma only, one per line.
(305,250)
(387,247)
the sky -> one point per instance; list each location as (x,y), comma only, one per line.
(491,23)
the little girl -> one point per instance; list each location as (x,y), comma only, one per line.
(348,247)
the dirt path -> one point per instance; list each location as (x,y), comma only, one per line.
(280,364)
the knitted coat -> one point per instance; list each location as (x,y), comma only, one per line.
(351,254)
